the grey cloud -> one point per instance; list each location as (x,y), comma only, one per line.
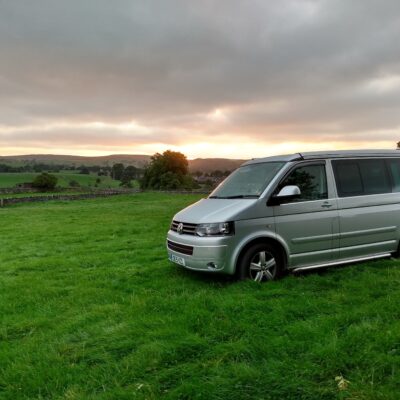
(169,62)
(83,137)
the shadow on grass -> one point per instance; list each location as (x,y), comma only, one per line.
(291,279)
(350,268)
(206,277)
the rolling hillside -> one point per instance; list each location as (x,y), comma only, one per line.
(212,164)
(138,160)
(9,180)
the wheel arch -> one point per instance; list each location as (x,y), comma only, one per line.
(261,239)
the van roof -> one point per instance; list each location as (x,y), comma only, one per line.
(313,155)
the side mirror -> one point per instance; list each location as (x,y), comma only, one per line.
(286,193)
(289,191)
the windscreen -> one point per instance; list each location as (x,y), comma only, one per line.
(248,181)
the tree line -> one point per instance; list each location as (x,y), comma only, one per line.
(166,171)
(43,167)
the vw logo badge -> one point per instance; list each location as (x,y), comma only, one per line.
(179,229)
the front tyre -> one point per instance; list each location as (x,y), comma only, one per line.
(261,262)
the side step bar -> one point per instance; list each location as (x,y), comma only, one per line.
(348,261)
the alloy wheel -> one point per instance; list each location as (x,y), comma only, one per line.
(262,266)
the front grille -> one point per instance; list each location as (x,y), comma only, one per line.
(180,248)
(188,229)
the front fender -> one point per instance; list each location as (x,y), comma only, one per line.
(256,236)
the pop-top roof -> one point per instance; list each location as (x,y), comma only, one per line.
(327,154)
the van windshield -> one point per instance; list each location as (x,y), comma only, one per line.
(248,181)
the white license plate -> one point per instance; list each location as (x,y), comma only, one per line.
(176,259)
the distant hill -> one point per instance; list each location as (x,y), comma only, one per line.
(212,164)
(138,160)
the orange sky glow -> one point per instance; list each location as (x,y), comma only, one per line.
(226,78)
(87,139)
(200,150)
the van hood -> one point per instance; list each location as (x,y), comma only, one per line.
(214,210)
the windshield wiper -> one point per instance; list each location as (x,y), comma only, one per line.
(243,196)
(238,196)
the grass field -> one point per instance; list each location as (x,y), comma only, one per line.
(40,194)
(91,309)
(8,180)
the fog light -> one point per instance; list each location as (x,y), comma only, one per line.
(211,266)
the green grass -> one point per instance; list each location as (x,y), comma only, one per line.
(39,194)
(91,309)
(8,180)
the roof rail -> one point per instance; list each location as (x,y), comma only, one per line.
(301,157)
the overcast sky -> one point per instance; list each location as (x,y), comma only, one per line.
(210,78)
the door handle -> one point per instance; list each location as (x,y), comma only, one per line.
(326,205)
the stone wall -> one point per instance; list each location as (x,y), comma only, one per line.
(17,190)
(64,197)
(82,196)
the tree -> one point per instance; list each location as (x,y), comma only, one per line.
(167,171)
(73,183)
(84,170)
(175,162)
(117,171)
(217,174)
(45,181)
(129,174)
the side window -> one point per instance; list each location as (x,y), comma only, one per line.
(311,179)
(374,176)
(394,167)
(361,177)
(348,178)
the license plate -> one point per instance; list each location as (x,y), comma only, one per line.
(176,259)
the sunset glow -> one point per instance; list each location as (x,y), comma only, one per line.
(214,80)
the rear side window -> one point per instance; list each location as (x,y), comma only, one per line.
(375,176)
(361,177)
(348,178)
(394,167)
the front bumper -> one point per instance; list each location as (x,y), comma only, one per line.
(200,253)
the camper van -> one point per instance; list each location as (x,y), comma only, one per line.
(293,212)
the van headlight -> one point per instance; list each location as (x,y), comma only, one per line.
(215,229)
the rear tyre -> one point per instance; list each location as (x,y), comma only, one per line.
(396,254)
(261,262)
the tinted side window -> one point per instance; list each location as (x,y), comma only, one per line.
(348,178)
(311,179)
(361,177)
(394,167)
(374,176)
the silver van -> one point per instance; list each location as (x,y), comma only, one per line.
(291,213)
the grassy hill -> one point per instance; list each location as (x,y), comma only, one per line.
(8,180)
(212,164)
(198,164)
(137,160)
(91,309)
